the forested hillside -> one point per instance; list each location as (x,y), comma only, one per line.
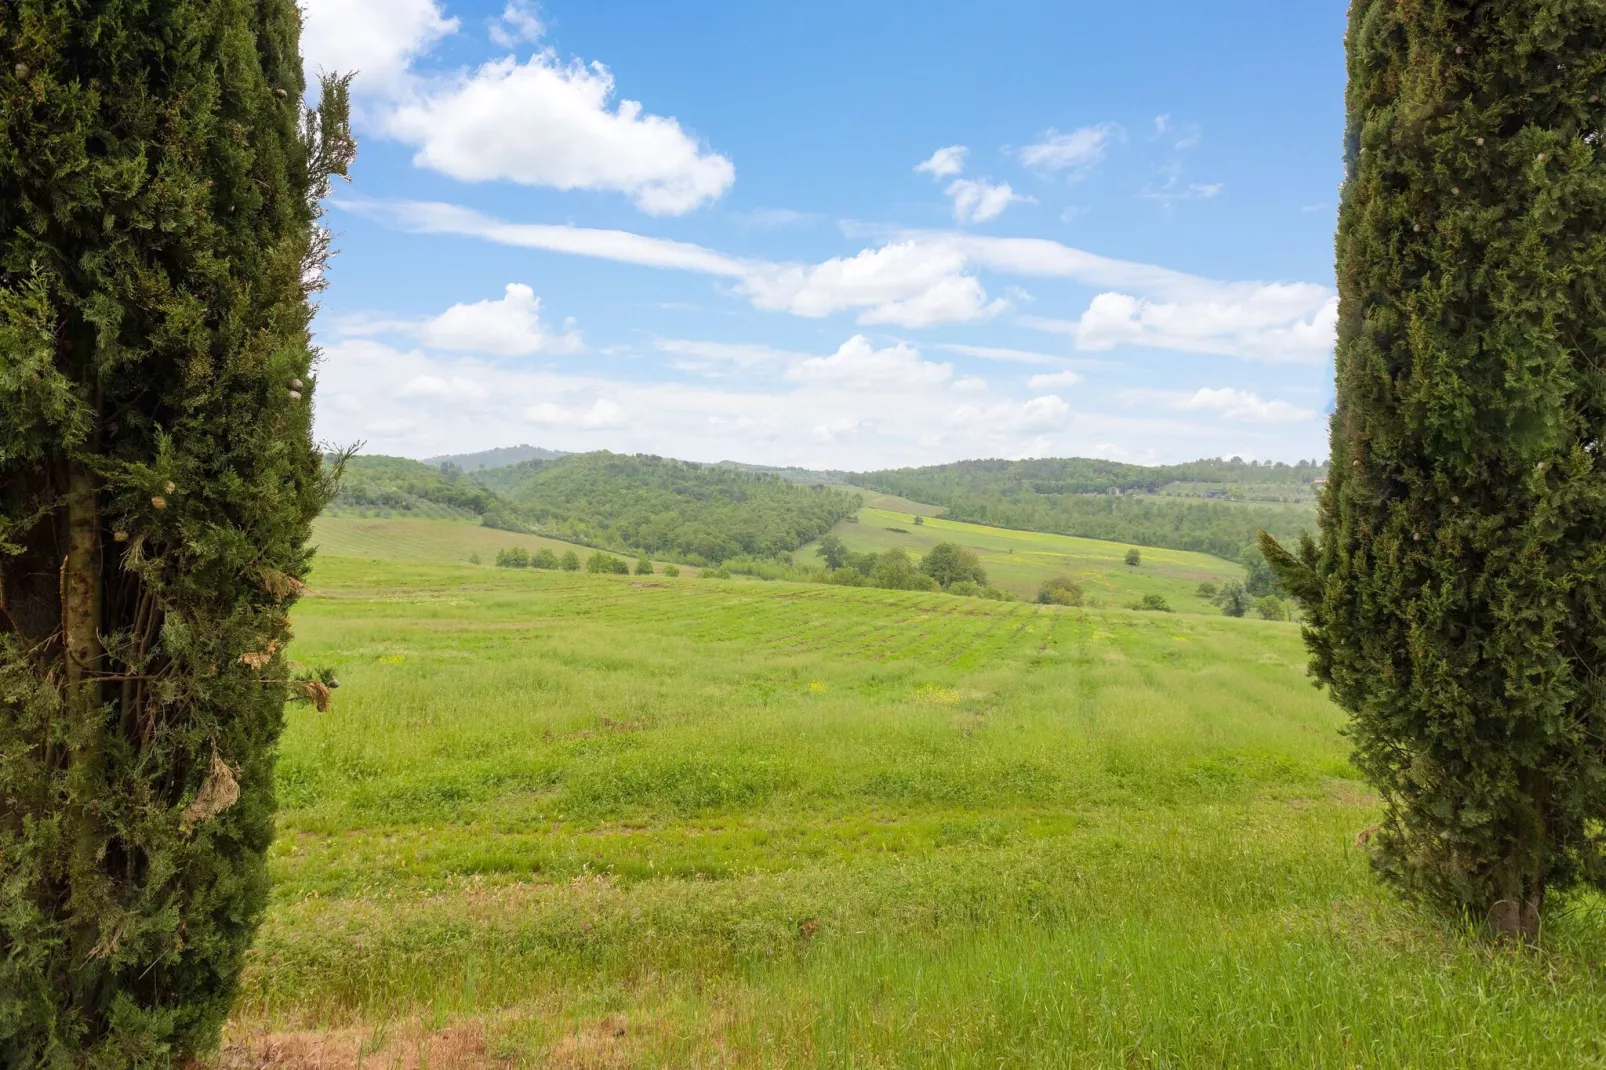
(397,485)
(667,508)
(1159,506)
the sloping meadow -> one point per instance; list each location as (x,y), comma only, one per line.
(584,820)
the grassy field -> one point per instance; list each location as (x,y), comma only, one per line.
(583,821)
(430,540)
(1019,561)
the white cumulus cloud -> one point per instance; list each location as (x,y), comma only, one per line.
(859,365)
(1233,404)
(519,21)
(977,200)
(904,283)
(1287,322)
(945,162)
(378,39)
(510,327)
(547,123)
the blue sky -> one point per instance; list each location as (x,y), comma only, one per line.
(839,235)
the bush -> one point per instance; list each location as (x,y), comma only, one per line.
(671,571)
(1233,599)
(570,562)
(949,564)
(607,564)
(1153,603)
(474,559)
(894,571)
(993,594)
(1270,607)
(544,558)
(920,521)
(1060,591)
(1134,557)
(517,557)
(844,577)
(644,566)
(965,588)
(1208,591)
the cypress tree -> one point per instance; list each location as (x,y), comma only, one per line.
(160,181)
(1455,601)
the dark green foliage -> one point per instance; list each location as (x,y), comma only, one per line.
(517,557)
(1455,603)
(607,564)
(895,571)
(1060,591)
(671,571)
(1207,590)
(1075,497)
(570,561)
(949,564)
(1153,603)
(1233,599)
(544,558)
(159,188)
(667,508)
(1134,557)
(644,566)
(920,521)
(832,551)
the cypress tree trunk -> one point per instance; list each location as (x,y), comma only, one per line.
(160,182)
(1455,601)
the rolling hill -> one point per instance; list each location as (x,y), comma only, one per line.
(1210,506)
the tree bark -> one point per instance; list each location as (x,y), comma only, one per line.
(81,585)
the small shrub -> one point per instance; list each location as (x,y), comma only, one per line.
(1270,607)
(1153,603)
(900,531)
(965,588)
(474,559)
(644,566)
(1060,591)
(1208,591)
(920,521)
(671,571)
(544,558)
(517,557)
(606,564)
(1233,600)
(1134,557)
(570,562)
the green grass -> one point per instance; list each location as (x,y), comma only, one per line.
(1019,561)
(559,820)
(434,540)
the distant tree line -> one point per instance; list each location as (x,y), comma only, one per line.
(1006,494)
(698,514)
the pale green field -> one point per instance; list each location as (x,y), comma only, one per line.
(1019,561)
(435,541)
(584,821)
